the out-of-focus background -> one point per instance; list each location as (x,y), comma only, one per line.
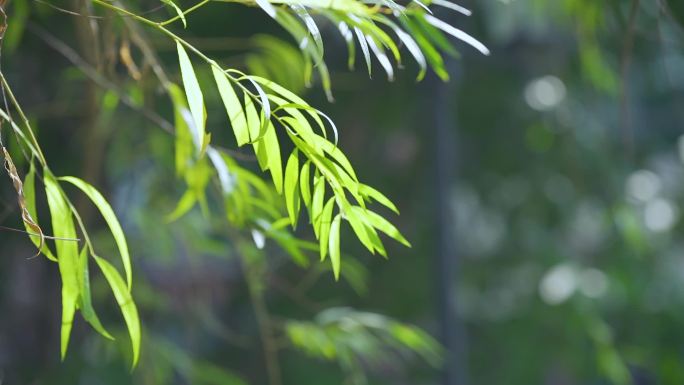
(542,189)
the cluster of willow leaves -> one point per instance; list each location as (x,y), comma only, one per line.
(315,177)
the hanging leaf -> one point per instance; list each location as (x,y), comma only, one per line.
(113,223)
(326,216)
(67,255)
(334,246)
(26,217)
(194,96)
(275,166)
(179,12)
(236,114)
(457,33)
(305,185)
(126,304)
(291,187)
(267,7)
(86,303)
(317,203)
(364,48)
(370,192)
(385,226)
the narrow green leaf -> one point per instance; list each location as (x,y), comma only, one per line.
(348,36)
(386,227)
(335,153)
(30,200)
(184,146)
(326,216)
(457,33)
(267,7)
(275,165)
(236,114)
(289,244)
(360,214)
(305,185)
(452,6)
(126,304)
(382,57)
(254,128)
(364,48)
(359,227)
(288,97)
(310,25)
(334,246)
(113,223)
(194,95)
(370,192)
(86,303)
(291,187)
(179,12)
(431,53)
(67,255)
(317,203)
(185,204)
(226,178)
(410,44)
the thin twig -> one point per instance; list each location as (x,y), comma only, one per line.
(74,13)
(38,235)
(71,55)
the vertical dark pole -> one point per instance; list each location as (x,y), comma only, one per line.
(441,100)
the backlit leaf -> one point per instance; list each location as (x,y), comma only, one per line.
(126,304)
(113,223)
(236,114)
(334,246)
(291,187)
(86,303)
(194,95)
(67,255)
(326,216)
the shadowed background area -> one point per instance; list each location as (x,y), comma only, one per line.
(541,189)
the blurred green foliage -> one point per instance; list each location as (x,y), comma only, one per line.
(566,211)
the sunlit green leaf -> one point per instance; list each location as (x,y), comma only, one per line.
(386,227)
(185,204)
(325,221)
(275,164)
(86,303)
(334,246)
(194,95)
(30,200)
(317,203)
(305,185)
(67,255)
(184,146)
(233,107)
(179,12)
(113,223)
(126,304)
(370,192)
(291,187)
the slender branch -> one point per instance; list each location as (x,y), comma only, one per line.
(20,111)
(71,55)
(38,235)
